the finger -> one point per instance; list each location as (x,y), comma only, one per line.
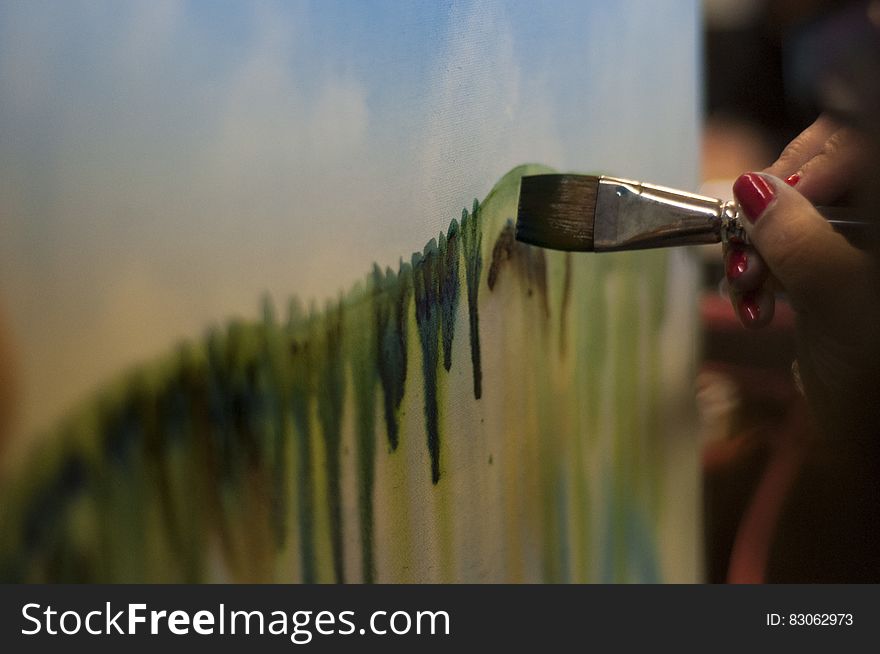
(804,147)
(832,171)
(744,268)
(800,248)
(754,308)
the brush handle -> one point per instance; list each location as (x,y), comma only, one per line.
(845,222)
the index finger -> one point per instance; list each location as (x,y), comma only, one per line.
(804,147)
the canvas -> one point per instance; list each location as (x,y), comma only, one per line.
(479,410)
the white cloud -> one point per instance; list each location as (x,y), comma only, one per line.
(485,116)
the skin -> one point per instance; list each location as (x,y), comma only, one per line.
(830,284)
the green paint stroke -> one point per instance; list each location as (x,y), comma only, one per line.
(392,293)
(301,387)
(427,295)
(365,377)
(218,442)
(528,261)
(448,288)
(217,419)
(564,305)
(472,244)
(331,382)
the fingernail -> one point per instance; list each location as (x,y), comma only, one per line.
(737,263)
(753,194)
(793,179)
(749,307)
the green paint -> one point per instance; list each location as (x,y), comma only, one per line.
(626,400)
(472,244)
(564,305)
(236,440)
(331,382)
(301,388)
(166,445)
(218,422)
(274,387)
(362,345)
(448,288)
(528,261)
(427,295)
(392,294)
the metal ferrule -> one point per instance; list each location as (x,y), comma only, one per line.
(633,216)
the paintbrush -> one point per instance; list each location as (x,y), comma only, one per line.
(585,213)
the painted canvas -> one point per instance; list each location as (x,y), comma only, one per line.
(417,397)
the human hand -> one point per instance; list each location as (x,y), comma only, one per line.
(825,161)
(821,163)
(830,284)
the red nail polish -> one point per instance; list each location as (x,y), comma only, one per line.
(737,263)
(793,179)
(749,307)
(753,193)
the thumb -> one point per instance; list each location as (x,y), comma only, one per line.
(811,261)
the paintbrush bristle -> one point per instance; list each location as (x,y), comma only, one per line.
(557,211)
